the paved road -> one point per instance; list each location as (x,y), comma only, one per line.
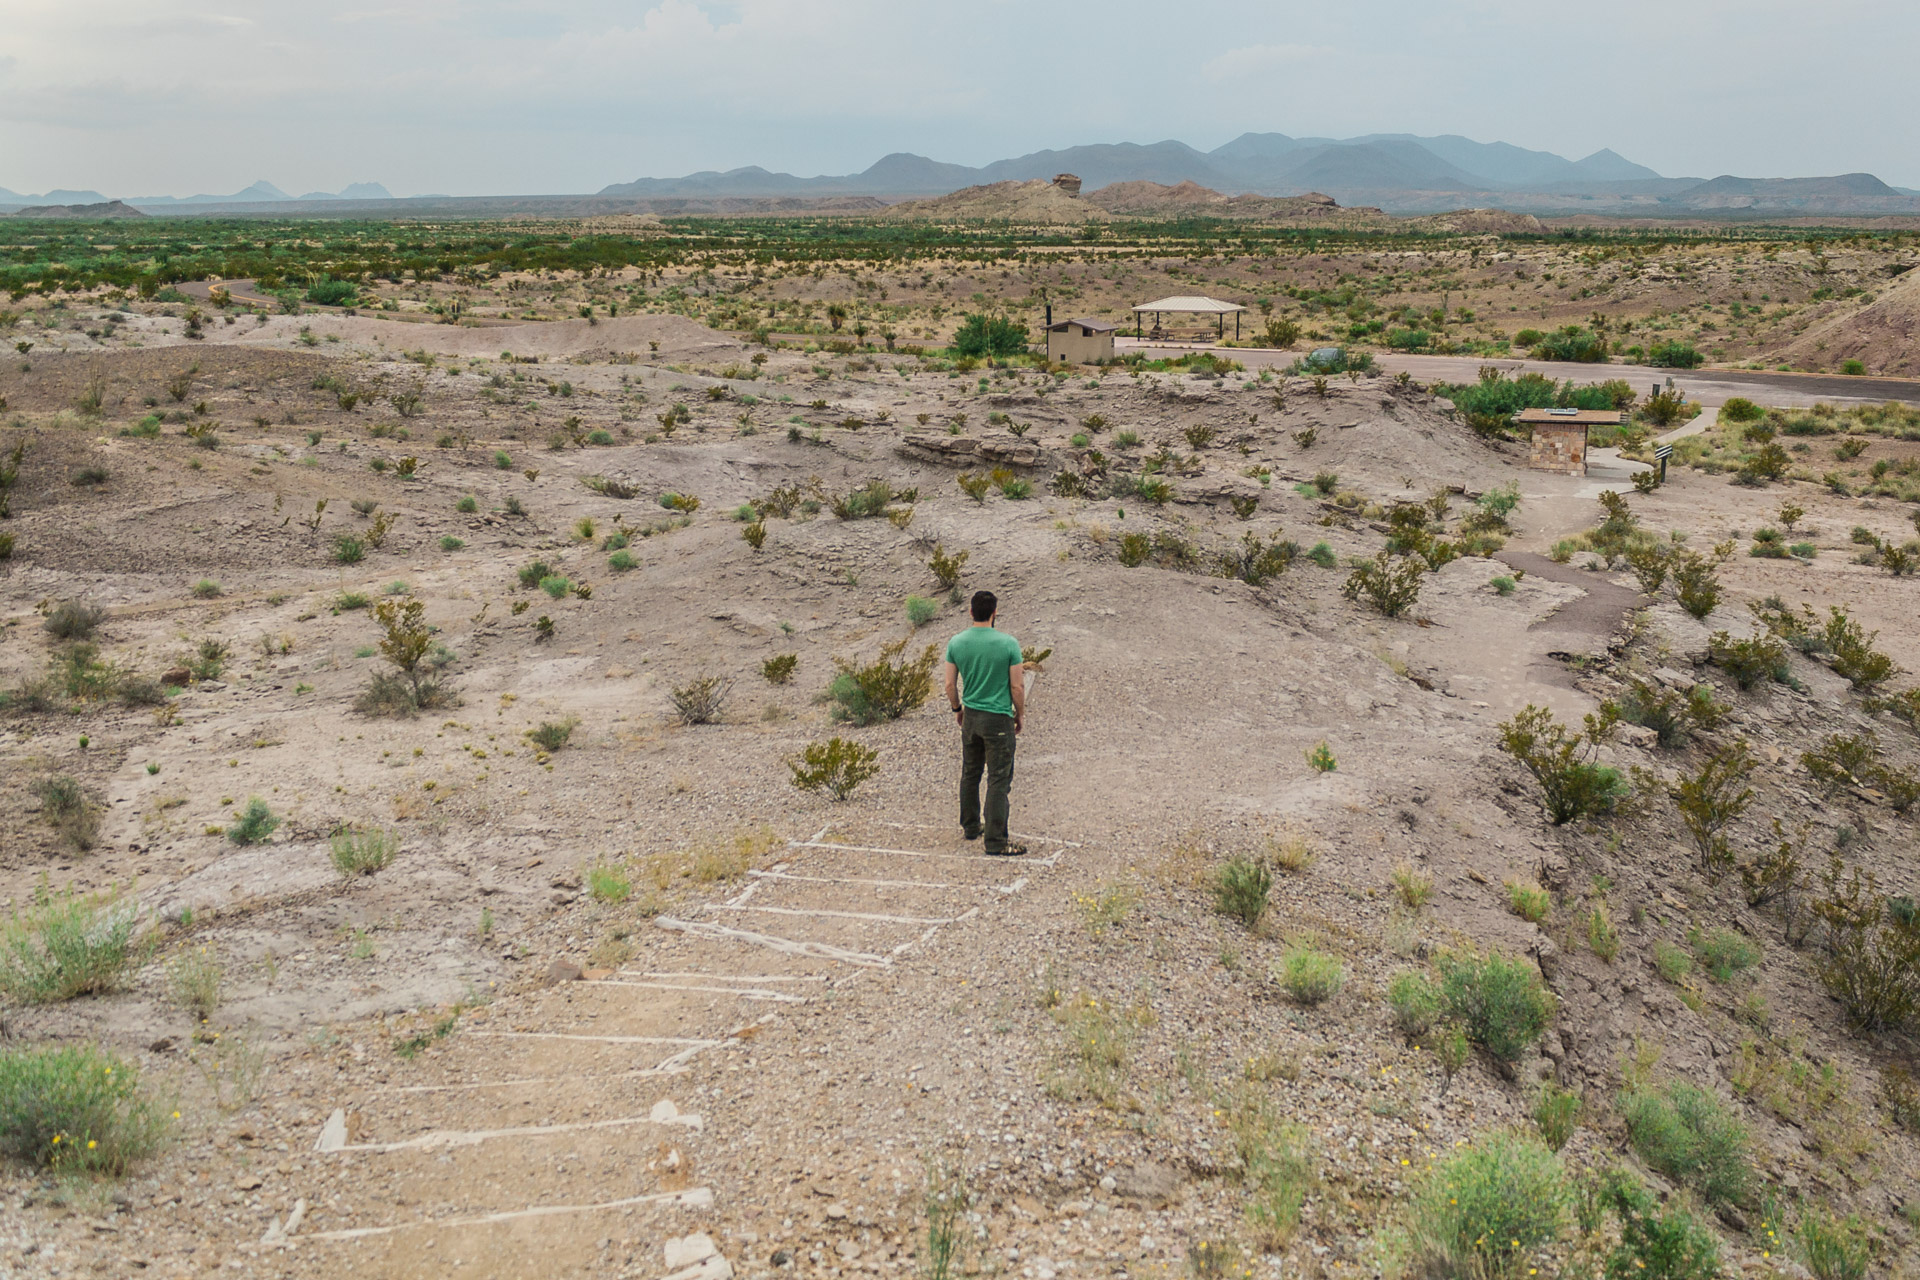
(1711,387)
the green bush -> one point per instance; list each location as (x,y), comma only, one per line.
(467,505)
(349,549)
(74,620)
(1572,784)
(556,585)
(1750,661)
(532,572)
(1240,890)
(835,766)
(1834,1247)
(67,946)
(1482,1211)
(1854,656)
(328,292)
(361,852)
(1741,409)
(1322,555)
(921,611)
(1499,1001)
(779,669)
(884,689)
(553,735)
(1872,960)
(1415,1002)
(1687,1133)
(1656,1243)
(1308,976)
(1674,355)
(75,1109)
(71,810)
(1391,586)
(1722,952)
(255,823)
(1571,343)
(983,335)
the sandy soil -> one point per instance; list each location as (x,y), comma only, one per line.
(770,1041)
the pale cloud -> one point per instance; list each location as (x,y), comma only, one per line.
(148,96)
(1255,60)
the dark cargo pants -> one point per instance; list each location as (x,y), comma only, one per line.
(986,746)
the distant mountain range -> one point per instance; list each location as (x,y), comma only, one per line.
(1399,172)
(261,192)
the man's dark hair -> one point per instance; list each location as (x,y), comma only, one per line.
(984,604)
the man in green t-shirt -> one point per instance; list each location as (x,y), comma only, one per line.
(988,694)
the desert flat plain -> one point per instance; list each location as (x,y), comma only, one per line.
(534,960)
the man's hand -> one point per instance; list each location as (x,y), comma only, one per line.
(1018,722)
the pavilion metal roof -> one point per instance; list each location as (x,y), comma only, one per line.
(1193,304)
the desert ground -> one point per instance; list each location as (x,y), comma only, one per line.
(626,1002)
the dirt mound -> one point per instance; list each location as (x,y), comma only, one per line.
(1190,198)
(104,209)
(1478,222)
(1881,335)
(1034,201)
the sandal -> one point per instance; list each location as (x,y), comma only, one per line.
(1011,851)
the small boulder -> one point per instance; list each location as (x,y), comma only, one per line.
(562,971)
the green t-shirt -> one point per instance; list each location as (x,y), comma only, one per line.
(984,657)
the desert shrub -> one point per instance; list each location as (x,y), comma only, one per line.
(556,585)
(1842,758)
(1722,952)
(1322,555)
(1672,963)
(622,561)
(255,823)
(609,882)
(1415,1002)
(1834,1247)
(1674,354)
(1656,1242)
(1602,938)
(1573,343)
(1696,579)
(1669,713)
(1749,661)
(1481,1211)
(921,611)
(1414,887)
(407,644)
(1572,783)
(1309,976)
(75,1109)
(1528,901)
(207,589)
(779,669)
(1502,584)
(1556,1112)
(835,767)
(1775,873)
(361,851)
(1240,890)
(70,810)
(530,574)
(1741,409)
(553,735)
(1872,960)
(1713,799)
(1254,561)
(67,946)
(1854,657)
(946,568)
(1687,1133)
(989,336)
(864,503)
(1391,586)
(193,982)
(1499,1001)
(74,620)
(701,701)
(754,534)
(884,689)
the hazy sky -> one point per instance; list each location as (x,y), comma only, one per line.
(154,97)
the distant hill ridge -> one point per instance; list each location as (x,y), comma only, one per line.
(1404,173)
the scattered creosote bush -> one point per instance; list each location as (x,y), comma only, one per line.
(1391,586)
(1415,1002)
(1671,715)
(779,669)
(362,851)
(1751,661)
(1711,800)
(946,568)
(884,689)
(1669,1242)
(835,767)
(74,1109)
(407,644)
(1872,959)
(701,701)
(1572,783)
(74,620)
(1556,1113)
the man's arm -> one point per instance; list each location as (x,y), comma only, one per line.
(953,688)
(1017,685)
